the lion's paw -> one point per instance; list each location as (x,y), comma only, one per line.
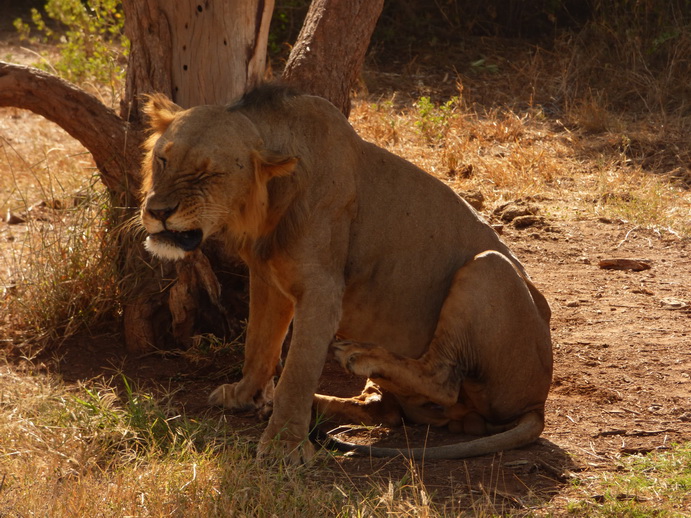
(292,452)
(244,396)
(355,357)
(228,396)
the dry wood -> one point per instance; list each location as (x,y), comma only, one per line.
(635,265)
(112,142)
(331,47)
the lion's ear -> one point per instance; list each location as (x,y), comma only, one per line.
(161,111)
(271,165)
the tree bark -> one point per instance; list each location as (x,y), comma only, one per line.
(331,47)
(195,51)
(112,142)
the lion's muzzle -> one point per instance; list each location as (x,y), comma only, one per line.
(164,241)
(188,240)
(169,244)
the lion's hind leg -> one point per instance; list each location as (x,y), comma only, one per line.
(429,378)
(490,355)
(372,407)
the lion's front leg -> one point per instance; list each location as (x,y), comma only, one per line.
(316,320)
(270,315)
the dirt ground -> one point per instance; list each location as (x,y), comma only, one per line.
(622,377)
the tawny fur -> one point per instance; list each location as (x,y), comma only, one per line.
(345,239)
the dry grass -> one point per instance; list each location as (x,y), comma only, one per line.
(86,451)
(94,450)
(508,155)
(56,271)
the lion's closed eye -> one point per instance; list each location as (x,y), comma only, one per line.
(161,161)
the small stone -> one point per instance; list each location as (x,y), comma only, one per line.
(525,221)
(12,219)
(512,210)
(475,198)
(669,303)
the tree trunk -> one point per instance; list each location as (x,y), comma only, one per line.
(195,51)
(331,47)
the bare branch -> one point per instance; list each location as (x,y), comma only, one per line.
(115,148)
(331,47)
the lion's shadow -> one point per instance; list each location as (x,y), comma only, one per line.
(494,484)
(498,483)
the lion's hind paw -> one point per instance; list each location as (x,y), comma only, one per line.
(358,358)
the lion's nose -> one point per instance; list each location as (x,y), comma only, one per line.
(161,214)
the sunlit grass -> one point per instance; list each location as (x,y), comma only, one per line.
(655,484)
(640,198)
(93,450)
(508,155)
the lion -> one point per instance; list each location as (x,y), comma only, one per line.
(365,254)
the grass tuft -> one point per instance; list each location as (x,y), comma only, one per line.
(655,484)
(61,275)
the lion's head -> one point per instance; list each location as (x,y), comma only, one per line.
(206,172)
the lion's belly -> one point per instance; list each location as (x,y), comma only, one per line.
(400,317)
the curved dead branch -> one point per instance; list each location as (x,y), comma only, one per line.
(114,146)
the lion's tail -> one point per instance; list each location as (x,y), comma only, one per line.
(527,430)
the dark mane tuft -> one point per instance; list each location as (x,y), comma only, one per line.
(267,95)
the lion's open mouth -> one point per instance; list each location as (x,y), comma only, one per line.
(187,240)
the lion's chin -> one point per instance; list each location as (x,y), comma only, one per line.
(173,245)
